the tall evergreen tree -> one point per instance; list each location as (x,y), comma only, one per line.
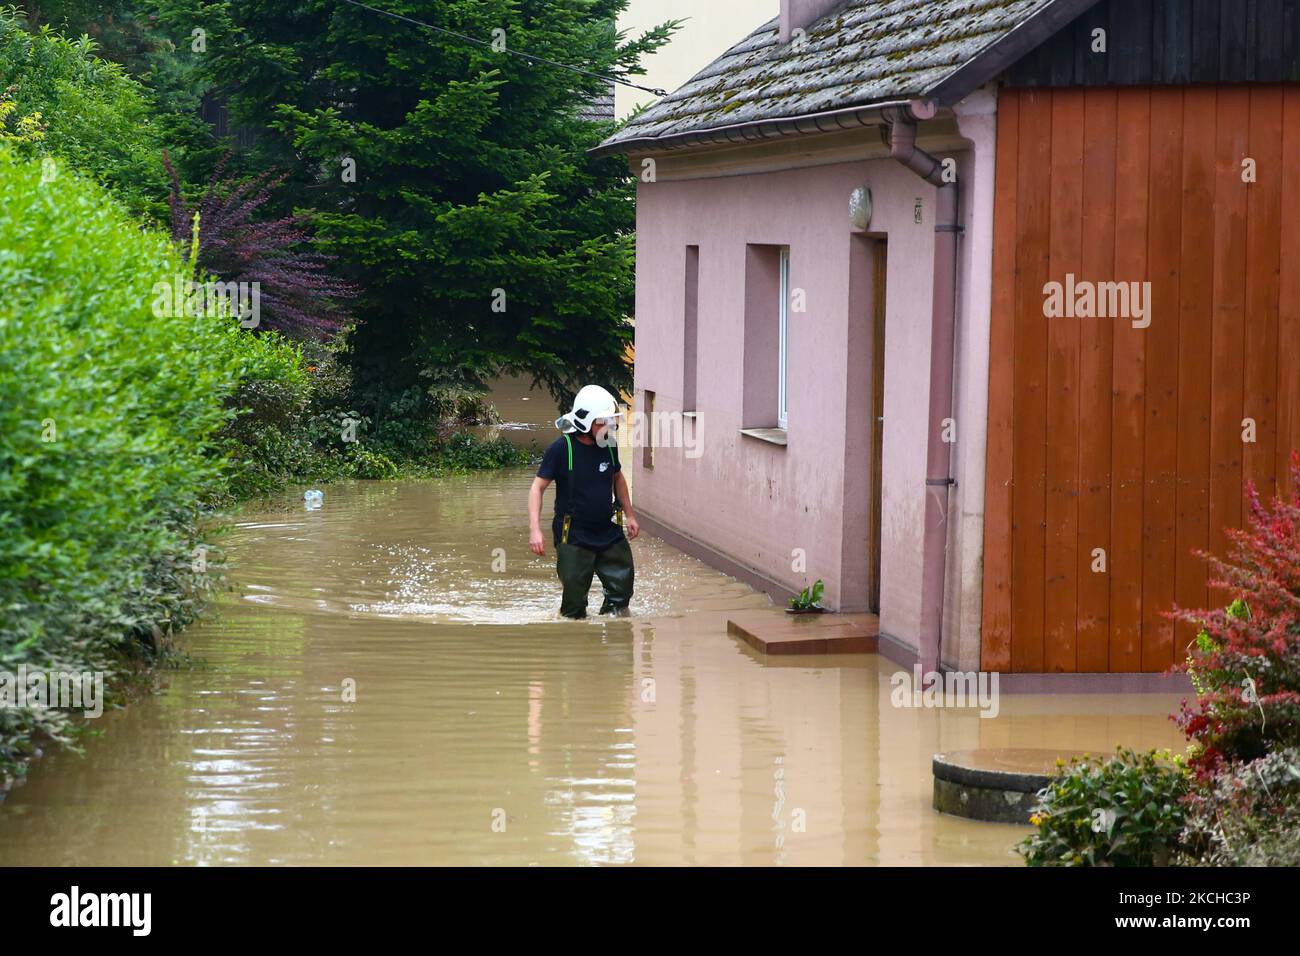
(451,178)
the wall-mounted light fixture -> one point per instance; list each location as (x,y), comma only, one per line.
(860,208)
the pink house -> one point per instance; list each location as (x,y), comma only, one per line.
(840,278)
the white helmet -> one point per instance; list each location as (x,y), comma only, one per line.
(590,404)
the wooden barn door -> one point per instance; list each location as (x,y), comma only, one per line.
(1115,451)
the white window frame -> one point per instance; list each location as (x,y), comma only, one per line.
(782,339)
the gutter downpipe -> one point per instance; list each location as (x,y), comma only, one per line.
(943,323)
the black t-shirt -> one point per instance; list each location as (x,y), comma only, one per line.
(586,492)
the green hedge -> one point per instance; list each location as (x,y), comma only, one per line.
(109,432)
(96,118)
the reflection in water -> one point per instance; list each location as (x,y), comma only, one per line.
(371,690)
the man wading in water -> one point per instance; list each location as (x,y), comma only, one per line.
(583,463)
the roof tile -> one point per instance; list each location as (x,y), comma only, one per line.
(863,52)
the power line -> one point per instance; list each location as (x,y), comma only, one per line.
(526,56)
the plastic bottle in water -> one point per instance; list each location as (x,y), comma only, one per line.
(313,499)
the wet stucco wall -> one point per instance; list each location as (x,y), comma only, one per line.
(756,502)
(977,118)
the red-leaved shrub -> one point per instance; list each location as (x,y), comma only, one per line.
(1245,663)
(298,292)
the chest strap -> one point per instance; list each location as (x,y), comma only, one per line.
(568,444)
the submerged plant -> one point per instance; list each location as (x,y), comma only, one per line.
(809,599)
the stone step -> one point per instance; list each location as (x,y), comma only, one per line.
(772,631)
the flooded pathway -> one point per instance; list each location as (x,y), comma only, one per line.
(484,730)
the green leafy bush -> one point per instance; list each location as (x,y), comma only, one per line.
(291,429)
(371,464)
(110,419)
(96,119)
(1124,811)
(466,451)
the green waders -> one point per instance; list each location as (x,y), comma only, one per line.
(576,565)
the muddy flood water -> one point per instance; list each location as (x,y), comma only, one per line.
(486,731)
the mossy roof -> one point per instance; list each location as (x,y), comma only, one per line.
(860,53)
